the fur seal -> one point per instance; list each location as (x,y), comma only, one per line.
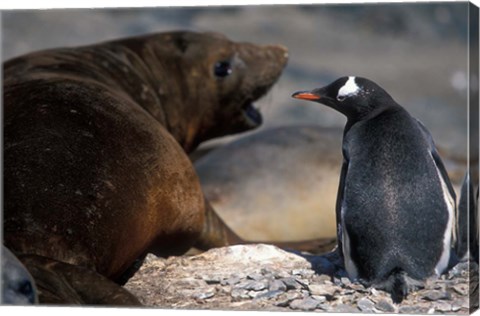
(18,286)
(96,139)
(296,170)
(396,205)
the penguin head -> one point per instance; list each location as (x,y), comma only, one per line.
(355,97)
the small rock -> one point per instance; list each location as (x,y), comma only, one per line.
(303,272)
(290,283)
(461,289)
(306,304)
(238,293)
(365,305)
(344,308)
(346,281)
(256,286)
(443,306)
(270,295)
(322,278)
(325,307)
(211,279)
(322,289)
(230,281)
(254,294)
(384,306)
(277,285)
(405,309)
(434,295)
(204,295)
(303,283)
(255,276)
(319,298)
(357,287)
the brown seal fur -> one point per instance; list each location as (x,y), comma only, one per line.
(96,139)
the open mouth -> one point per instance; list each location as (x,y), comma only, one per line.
(252,115)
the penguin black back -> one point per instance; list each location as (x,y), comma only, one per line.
(395,205)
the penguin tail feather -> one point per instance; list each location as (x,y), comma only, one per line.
(398,284)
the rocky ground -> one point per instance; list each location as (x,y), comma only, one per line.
(263,277)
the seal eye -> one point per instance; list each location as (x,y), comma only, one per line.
(341,98)
(222,69)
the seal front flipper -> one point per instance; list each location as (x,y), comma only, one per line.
(63,283)
(18,286)
(216,233)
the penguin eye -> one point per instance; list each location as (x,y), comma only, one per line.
(222,69)
(341,98)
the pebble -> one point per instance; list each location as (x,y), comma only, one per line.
(443,306)
(322,289)
(306,304)
(321,299)
(211,279)
(255,276)
(385,306)
(204,295)
(434,295)
(254,294)
(238,293)
(269,294)
(461,289)
(344,308)
(405,309)
(290,283)
(277,285)
(346,281)
(365,305)
(230,281)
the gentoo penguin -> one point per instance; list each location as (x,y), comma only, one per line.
(395,205)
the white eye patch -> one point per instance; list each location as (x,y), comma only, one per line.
(350,88)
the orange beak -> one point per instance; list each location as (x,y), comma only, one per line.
(306,95)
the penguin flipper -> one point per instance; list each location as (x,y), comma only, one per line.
(338,205)
(437,159)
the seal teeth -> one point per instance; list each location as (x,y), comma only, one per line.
(252,114)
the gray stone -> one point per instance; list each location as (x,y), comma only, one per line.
(303,272)
(255,276)
(303,283)
(385,306)
(345,281)
(344,308)
(270,295)
(306,304)
(254,294)
(434,295)
(461,289)
(211,279)
(238,293)
(442,306)
(204,295)
(256,286)
(321,299)
(323,289)
(230,281)
(405,309)
(365,305)
(277,285)
(290,283)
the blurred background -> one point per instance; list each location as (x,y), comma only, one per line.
(416,51)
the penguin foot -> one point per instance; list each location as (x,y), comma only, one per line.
(398,284)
